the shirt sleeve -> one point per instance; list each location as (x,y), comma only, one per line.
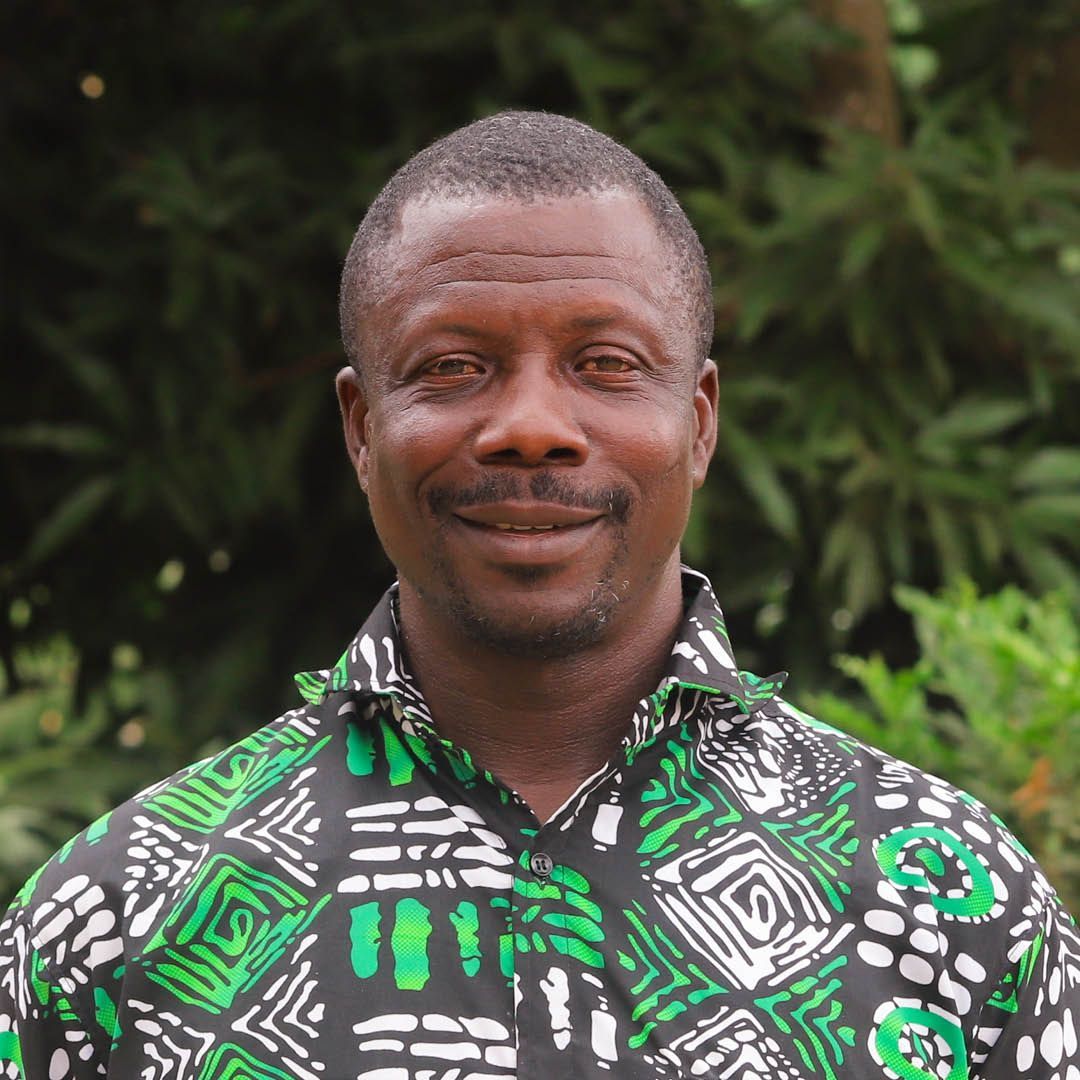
(44,1028)
(1028,1026)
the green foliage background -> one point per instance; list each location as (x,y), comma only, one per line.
(899,336)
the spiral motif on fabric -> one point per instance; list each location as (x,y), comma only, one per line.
(922,844)
(901,1026)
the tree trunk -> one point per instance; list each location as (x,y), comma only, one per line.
(1046,87)
(857,86)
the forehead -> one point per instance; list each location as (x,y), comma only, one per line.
(613,224)
(591,244)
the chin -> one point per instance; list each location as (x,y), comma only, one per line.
(535,638)
(530,611)
(537,623)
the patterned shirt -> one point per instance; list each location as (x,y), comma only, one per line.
(742,893)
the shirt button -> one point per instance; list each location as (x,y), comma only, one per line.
(540,863)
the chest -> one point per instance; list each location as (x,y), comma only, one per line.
(691,915)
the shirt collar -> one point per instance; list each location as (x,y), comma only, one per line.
(701,659)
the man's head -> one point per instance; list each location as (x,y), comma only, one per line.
(528,157)
(535,408)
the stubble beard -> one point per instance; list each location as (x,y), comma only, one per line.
(553,639)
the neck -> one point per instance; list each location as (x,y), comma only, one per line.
(542,726)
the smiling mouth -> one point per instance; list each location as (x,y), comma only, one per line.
(512,516)
(540,536)
(511,527)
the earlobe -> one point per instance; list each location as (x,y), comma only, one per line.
(356,421)
(706,398)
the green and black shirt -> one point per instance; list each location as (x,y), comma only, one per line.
(743,893)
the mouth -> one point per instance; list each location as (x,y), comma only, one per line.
(527,533)
(527,517)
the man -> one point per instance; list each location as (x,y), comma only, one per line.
(535,822)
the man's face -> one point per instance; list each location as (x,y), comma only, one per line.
(532,421)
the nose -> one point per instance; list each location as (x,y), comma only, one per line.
(532,422)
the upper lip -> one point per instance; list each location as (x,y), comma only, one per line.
(523,514)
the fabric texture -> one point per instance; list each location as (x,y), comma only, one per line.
(743,893)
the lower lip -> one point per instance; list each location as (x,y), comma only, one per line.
(527,548)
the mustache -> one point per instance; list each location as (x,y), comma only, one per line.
(616,501)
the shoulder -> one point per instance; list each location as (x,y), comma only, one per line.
(906,814)
(936,887)
(936,865)
(106,885)
(78,924)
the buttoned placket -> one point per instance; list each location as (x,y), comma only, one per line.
(547,888)
(546,947)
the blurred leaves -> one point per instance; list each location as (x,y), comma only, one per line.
(992,704)
(61,767)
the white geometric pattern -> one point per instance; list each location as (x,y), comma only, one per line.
(756,917)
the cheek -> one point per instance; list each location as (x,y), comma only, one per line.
(407,450)
(657,454)
(657,461)
(389,486)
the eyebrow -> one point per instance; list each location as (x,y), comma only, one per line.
(465,329)
(592,322)
(579,322)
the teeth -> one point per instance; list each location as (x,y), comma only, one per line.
(524,528)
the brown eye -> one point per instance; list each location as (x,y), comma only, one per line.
(606,365)
(452,367)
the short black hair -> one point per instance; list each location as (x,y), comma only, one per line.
(527,156)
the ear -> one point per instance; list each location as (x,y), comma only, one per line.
(356,420)
(706,397)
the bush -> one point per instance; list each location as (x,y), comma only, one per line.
(992,705)
(62,766)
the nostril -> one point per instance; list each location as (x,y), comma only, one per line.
(517,455)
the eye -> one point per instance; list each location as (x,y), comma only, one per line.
(606,364)
(452,367)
